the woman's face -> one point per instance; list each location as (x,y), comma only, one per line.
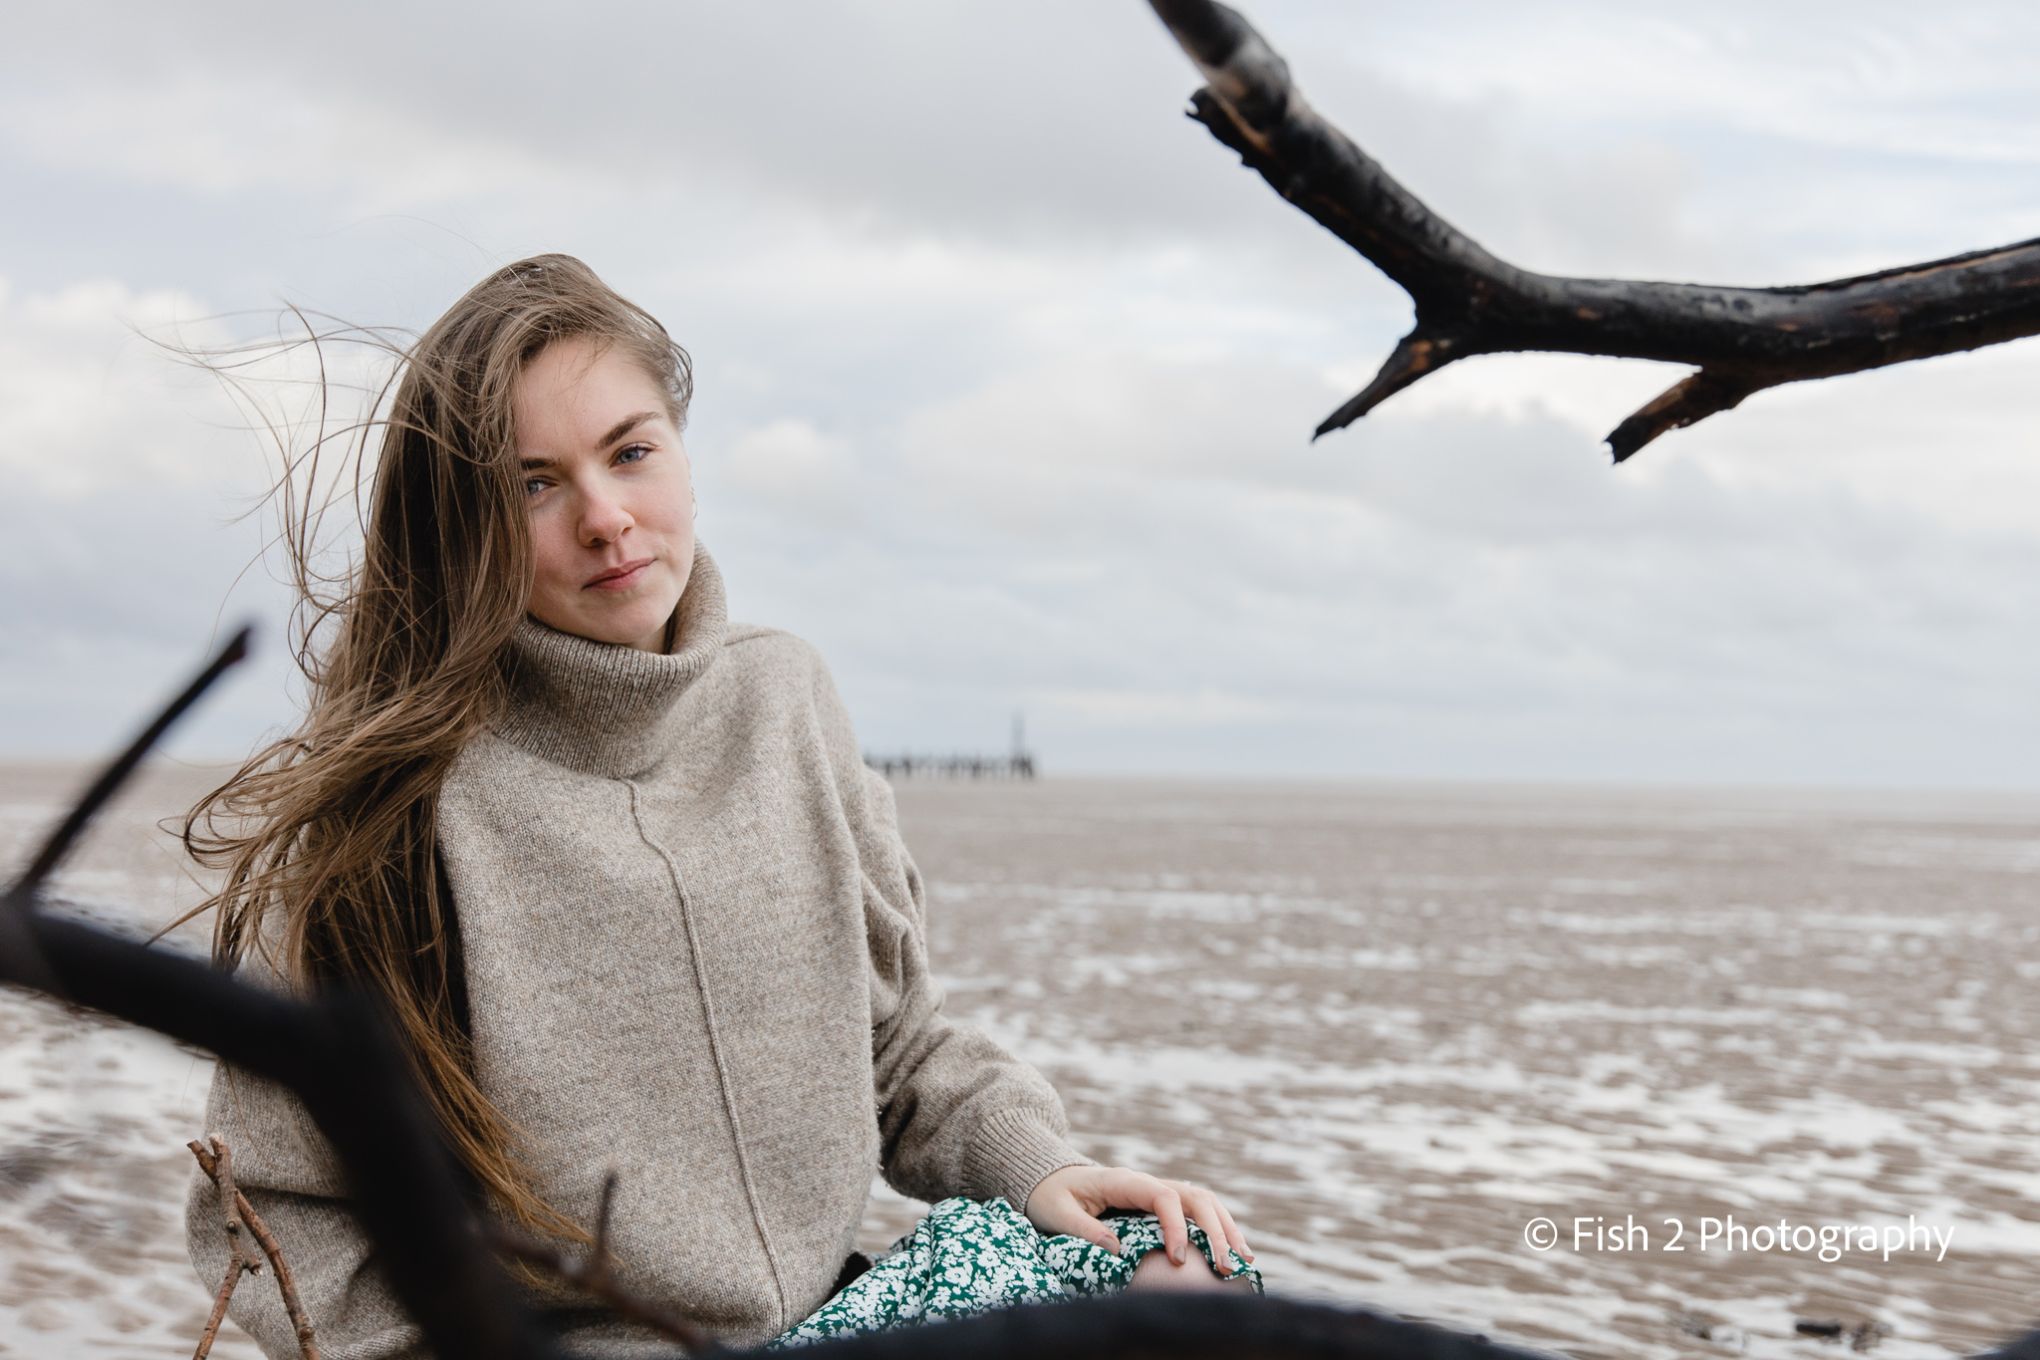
(607,486)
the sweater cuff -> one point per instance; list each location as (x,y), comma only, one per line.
(1014,1151)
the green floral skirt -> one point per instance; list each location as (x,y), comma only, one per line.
(971,1255)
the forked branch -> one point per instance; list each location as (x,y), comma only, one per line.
(1468,301)
(241,1222)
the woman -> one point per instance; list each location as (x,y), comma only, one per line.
(634,899)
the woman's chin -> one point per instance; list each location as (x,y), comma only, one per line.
(638,618)
(647,633)
(644,629)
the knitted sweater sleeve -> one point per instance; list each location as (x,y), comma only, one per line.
(291,1177)
(957,1113)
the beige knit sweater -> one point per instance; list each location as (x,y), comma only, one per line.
(695,954)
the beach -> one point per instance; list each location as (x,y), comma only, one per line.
(1398,1028)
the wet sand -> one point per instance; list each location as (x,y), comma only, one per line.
(1390,1025)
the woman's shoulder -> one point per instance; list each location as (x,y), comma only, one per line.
(755,634)
(756,646)
(775,666)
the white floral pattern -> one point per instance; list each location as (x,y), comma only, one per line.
(970,1255)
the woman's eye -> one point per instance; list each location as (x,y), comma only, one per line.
(533,485)
(643,450)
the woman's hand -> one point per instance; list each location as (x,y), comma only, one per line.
(1070,1200)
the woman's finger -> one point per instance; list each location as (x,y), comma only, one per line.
(1167,1205)
(1094,1230)
(1204,1208)
(1232,1230)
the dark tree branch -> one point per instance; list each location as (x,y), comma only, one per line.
(1741,340)
(337,1054)
(59,842)
(592,1271)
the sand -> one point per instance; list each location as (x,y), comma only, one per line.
(1391,1026)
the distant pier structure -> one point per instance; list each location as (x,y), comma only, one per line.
(1017,764)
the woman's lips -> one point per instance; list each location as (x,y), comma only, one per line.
(623,582)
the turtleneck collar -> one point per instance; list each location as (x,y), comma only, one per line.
(601,707)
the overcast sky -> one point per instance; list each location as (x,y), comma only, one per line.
(1006,370)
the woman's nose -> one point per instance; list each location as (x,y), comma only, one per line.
(603,518)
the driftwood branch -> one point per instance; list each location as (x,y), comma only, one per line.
(239,1215)
(1468,301)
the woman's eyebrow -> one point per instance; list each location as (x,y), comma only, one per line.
(616,432)
(624,427)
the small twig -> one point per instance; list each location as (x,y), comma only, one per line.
(235,1206)
(230,1202)
(219,1308)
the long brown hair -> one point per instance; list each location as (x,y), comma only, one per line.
(332,826)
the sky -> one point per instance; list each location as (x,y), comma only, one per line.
(1006,370)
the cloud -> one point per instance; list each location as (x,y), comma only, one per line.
(1161,708)
(261,130)
(1035,128)
(1006,371)
(129,552)
(792,470)
(98,391)
(80,401)
(1148,541)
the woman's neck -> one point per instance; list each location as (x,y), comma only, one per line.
(607,708)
